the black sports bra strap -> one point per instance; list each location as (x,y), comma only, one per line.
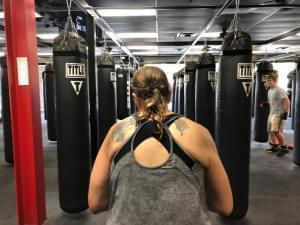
(174,117)
(166,129)
(174,148)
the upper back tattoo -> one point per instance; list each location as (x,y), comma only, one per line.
(122,129)
(181,126)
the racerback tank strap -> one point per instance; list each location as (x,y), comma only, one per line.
(165,128)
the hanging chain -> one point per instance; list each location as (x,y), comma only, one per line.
(105,43)
(205,47)
(69,5)
(69,26)
(235,24)
(237,6)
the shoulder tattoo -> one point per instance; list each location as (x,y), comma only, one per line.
(181,126)
(121,129)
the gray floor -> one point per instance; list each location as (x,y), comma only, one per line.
(274,191)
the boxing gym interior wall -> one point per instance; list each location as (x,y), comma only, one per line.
(66,77)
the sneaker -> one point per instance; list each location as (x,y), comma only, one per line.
(282,152)
(273,149)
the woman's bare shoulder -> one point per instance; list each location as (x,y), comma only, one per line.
(193,138)
(120,133)
(183,125)
(120,130)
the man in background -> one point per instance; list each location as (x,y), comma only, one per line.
(279,107)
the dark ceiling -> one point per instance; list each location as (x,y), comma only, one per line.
(272,24)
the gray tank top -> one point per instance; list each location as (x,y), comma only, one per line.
(172,194)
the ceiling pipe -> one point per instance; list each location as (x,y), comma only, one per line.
(268,16)
(283,35)
(84,6)
(277,57)
(206,28)
(291,6)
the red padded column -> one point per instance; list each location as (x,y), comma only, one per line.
(20,29)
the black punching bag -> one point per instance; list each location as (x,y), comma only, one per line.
(261,96)
(122,105)
(7,133)
(189,89)
(290,77)
(177,93)
(180,96)
(297,117)
(72,116)
(253,96)
(106,84)
(44,95)
(50,102)
(233,115)
(205,88)
(293,103)
(132,104)
(174,93)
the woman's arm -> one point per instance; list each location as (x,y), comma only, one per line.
(117,136)
(99,181)
(218,190)
(217,186)
(197,140)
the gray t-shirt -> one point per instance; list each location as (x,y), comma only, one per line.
(275,98)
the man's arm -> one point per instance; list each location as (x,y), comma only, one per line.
(286,103)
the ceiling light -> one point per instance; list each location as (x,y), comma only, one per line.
(126,12)
(45,53)
(37,15)
(211,35)
(197,47)
(137,35)
(274,47)
(142,47)
(49,36)
(146,53)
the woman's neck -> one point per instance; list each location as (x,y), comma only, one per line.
(166,111)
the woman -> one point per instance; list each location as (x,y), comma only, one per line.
(157,167)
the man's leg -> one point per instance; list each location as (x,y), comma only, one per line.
(281,139)
(273,139)
(274,143)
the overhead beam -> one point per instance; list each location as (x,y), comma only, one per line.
(206,28)
(283,35)
(278,57)
(291,6)
(268,16)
